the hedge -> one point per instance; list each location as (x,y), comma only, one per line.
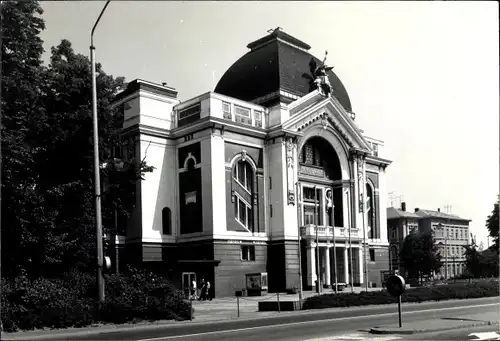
(69,301)
(420,294)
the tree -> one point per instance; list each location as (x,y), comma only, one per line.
(480,263)
(419,255)
(49,145)
(22,112)
(492,223)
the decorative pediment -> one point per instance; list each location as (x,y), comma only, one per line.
(315,109)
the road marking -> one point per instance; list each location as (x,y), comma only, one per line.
(357,336)
(486,336)
(315,321)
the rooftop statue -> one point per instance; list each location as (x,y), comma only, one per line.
(321,81)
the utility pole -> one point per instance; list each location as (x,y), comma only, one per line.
(351,209)
(97,178)
(299,239)
(332,213)
(318,268)
(362,198)
(1,164)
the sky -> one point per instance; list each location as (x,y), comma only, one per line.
(421,76)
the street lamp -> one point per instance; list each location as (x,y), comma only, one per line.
(97,179)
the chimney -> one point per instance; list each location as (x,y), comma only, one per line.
(417,209)
(403,206)
(439,210)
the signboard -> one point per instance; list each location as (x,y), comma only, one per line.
(395,285)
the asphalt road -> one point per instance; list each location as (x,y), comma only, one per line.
(465,334)
(334,325)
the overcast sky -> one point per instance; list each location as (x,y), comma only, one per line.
(422,76)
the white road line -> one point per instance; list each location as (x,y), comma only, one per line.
(358,336)
(315,321)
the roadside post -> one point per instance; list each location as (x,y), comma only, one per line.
(238,294)
(396,287)
(278,296)
(190,308)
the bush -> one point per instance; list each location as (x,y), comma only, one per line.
(69,301)
(420,294)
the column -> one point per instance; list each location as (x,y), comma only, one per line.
(311,265)
(346,265)
(361,264)
(328,275)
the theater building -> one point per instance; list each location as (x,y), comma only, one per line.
(237,172)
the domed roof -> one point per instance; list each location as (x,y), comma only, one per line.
(276,62)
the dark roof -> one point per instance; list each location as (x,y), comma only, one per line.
(276,62)
(435,214)
(139,84)
(395,213)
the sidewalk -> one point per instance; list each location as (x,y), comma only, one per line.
(440,324)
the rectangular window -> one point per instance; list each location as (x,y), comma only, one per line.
(309,207)
(118,152)
(226,110)
(372,255)
(248,253)
(308,215)
(258,118)
(242,115)
(242,212)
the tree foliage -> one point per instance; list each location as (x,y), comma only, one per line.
(420,255)
(480,263)
(47,146)
(492,224)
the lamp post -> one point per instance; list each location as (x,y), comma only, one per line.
(299,238)
(97,179)
(332,213)
(318,267)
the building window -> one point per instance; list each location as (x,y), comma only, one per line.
(242,115)
(372,255)
(243,177)
(226,110)
(248,253)
(258,118)
(243,174)
(308,204)
(375,149)
(166,221)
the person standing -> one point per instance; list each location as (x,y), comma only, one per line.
(207,291)
(194,292)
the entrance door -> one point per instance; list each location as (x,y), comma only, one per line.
(187,280)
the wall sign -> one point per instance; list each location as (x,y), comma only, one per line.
(190,197)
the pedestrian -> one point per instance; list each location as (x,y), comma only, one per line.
(207,291)
(203,290)
(194,292)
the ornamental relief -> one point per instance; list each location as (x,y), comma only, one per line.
(290,146)
(360,170)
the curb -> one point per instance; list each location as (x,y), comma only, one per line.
(403,331)
(111,328)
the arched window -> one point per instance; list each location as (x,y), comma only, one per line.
(166,221)
(243,177)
